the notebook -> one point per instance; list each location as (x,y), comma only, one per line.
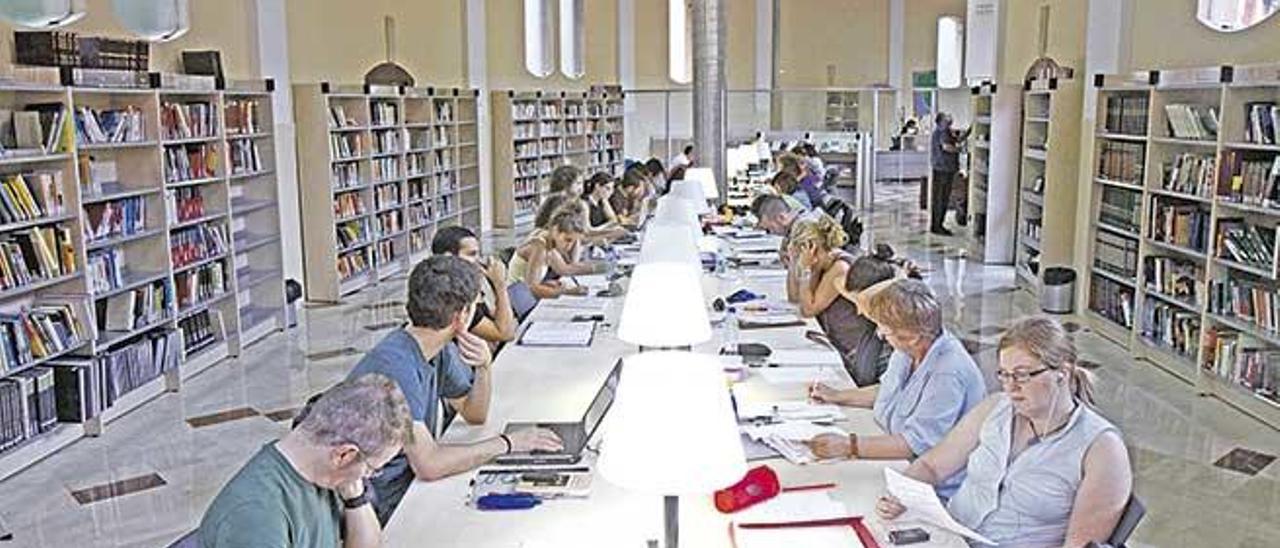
(552,333)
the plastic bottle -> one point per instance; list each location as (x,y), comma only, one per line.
(730,335)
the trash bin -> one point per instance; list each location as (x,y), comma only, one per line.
(1059,291)
(292,294)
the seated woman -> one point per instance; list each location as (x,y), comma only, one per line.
(824,269)
(1043,467)
(532,261)
(598,189)
(629,201)
(930,384)
(566,185)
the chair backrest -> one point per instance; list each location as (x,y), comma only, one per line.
(189,540)
(522,300)
(846,217)
(1134,510)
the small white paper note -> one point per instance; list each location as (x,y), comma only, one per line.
(794,358)
(922,503)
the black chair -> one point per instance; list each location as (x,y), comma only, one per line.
(846,217)
(1134,511)
(189,540)
(522,300)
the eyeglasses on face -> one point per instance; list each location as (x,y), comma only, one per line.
(1019,377)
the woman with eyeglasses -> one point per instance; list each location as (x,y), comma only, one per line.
(1043,467)
(931,382)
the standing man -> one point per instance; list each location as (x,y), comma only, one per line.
(945,157)
(434,356)
(310,487)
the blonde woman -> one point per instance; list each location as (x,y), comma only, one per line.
(931,382)
(1043,467)
(533,262)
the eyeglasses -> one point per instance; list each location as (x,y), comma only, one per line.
(370,471)
(1019,377)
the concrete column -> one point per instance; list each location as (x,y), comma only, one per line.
(272,40)
(897,54)
(709,86)
(764,61)
(478,78)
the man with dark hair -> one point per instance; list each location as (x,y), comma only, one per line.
(682,160)
(945,157)
(494,320)
(309,488)
(436,356)
(773,215)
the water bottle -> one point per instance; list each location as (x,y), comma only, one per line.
(730,335)
(722,264)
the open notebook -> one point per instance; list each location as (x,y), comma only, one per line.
(552,333)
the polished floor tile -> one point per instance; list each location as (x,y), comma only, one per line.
(1245,461)
(117,489)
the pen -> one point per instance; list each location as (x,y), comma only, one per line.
(562,470)
(811,487)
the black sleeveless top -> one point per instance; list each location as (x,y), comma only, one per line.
(865,356)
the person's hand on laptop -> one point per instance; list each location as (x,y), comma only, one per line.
(528,440)
(474,351)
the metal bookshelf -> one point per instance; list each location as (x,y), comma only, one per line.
(1189,348)
(98,175)
(535,132)
(1046,191)
(993,172)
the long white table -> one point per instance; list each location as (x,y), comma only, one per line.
(556,384)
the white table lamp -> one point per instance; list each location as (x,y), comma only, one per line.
(706,178)
(665,307)
(691,191)
(734,161)
(673,210)
(672,431)
(669,243)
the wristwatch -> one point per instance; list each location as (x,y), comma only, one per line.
(362,499)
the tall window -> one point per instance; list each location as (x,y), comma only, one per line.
(154,20)
(679,47)
(538,38)
(42,13)
(572,39)
(950,52)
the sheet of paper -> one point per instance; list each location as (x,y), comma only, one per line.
(757,257)
(923,504)
(791,410)
(592,280)
(827,537)
(790,430)
(764,274)
(794,506)
(585,305)
(757,245)
(550,333)
(768,319)
(799,375)
(793,358)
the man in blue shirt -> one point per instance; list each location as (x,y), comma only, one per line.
(945,156)
(435,356)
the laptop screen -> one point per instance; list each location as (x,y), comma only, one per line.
(604,399)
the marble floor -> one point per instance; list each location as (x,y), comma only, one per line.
(148,479)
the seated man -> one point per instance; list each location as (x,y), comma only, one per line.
(494,320)
(309,488)
(436,356)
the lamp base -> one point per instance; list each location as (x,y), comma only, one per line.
(686,348)
(671,519)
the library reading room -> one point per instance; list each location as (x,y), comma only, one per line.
(639,273)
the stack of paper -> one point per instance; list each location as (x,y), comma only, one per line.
(769,319)
(804,358)
(581,305)
(793,507)
(790,411)
(549,333)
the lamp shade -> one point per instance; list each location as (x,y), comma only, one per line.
(734,161)
(673,430)
(673,210)
(691,191)
(665,306)
(706,179)
(669,243)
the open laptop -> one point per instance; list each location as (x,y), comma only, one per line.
(574,435)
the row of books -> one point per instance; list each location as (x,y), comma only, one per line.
(1261,120)
(197,243)
(51,326)
(444,111)
(347,205)
(352,233)
(1112,301)
(38,128)
(190,162)
(201,284)
(1192,121)
(1252,367)
(1181,225)
(106,269)
(353,264)
(1127,114)
(347,145)
(35,254)
(1251,178)
(1173,277)
(134,309)
(1190,174)
(1116,254)
(30,196)
(384,113)
(134,365)
(242,117)
(1246,243)
(421,214)
(123,125)
(345,176)
(1172,327)
(386,196)
(184,204)
(387,142)
(389,223)
(385,169)
(1249,301)
(28,406)
(419,239)
(1120,208)
(200,330)
(245,157)
(115,218)
(385,252)
(338,117)
(193,120)
(416,165)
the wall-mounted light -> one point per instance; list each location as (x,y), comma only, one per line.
(950,67)
(572,39)
(153,20)
(42,14)
(538,38)
(679,52)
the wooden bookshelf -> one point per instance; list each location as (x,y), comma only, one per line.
(993,172)
(377,183)
(133,174)
(535,132)
(1047,184)
(1176,321)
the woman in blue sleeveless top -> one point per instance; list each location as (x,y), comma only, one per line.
(1043,467)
